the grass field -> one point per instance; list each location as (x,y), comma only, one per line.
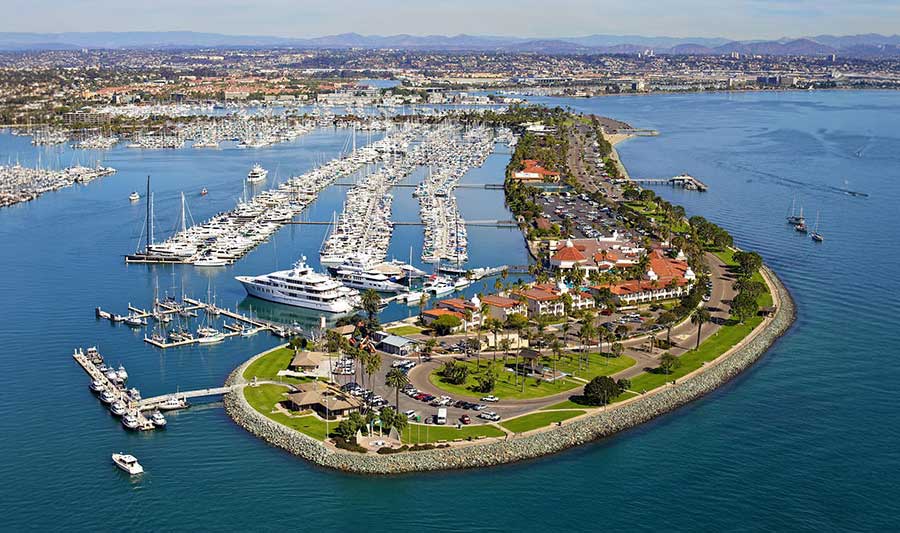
(264,397)
(268,366)
(566,404)
(538,420)
(405,330)
(506,388)
(597,365)
(419,433)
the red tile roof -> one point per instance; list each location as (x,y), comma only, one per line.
(500,301)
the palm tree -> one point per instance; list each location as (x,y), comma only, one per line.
(370,302)
(397,379)
(373,364)
(586,333)
(423,301)
(700,317)
(557,348)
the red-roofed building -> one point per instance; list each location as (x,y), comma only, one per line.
(431,315)
(534,171)
(500,307)
(461,306)
(665,279)
(541,301)
(601,254)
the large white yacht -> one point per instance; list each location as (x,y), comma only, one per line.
(302,287)
(257,174)
(360,273)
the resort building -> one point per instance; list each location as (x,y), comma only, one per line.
(397,345)
(540,301)
(600,254)
(430,315)
(306,362)
(500,307)
(327,401)
(666,278)
(460,306)
(533,171)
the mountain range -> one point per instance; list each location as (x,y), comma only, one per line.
(866,45)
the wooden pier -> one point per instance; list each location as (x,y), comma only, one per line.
(144,423)
(684,181)
(149,404)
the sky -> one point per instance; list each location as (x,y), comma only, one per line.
(732,19)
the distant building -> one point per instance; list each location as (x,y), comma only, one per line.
(534,171)
(500,307)
(396,345)
(325,400)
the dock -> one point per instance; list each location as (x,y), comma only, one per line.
(144,423)
(685,181)
(475,223)
(149,404)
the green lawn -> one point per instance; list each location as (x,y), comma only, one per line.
(727,257)
(268,366)
(567,404)
(711,348)
(405,330)
(419,433)
(538,420)
(264,397)
(597,365)
(506,388)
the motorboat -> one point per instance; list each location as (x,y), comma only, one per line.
(128,463)
(158,419)
(134,394)
(211,339)
(203,191)
(412,297)
(257,174)
(211,261)
(118,408)
(301,287)
(97,385)
(121,373)
(134,197)
(130,420)
(134,321)
(107,396)
(172,404)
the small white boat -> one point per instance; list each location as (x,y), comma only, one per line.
(134,197)
(121,373)
(211,339)
(130,420)
(118,408)
(158,419)
(211,261)
(107,397)
(128,463)
(173,404)
(135,322)
(97,385)
(257,174)
(134,394)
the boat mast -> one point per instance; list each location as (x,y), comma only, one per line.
(149,216)
(183,222)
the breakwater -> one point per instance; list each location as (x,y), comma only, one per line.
(578,431)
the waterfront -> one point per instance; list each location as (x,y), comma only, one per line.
(780,445)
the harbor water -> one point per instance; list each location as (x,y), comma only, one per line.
(804,440)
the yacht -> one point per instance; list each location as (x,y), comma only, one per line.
(97,385)
(211,339)
(257,174)
(134,321)
(134,196)
(128,463)
(121,373)
(130,420)
(158,419)
(118,408)
(358,273)
(301,287)
(439,286)
(107,397)
(211,261)
(815,235)
(173,404)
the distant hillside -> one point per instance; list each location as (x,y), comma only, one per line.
(868,45)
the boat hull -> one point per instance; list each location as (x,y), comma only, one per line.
(277,296)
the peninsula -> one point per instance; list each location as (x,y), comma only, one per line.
(630,309)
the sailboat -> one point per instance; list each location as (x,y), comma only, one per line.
(796,219)
(815,235)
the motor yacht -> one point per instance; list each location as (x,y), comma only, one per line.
(134,197)
(358,273)
(118,408)
(172,404)
(301,287)
(107,396)
(128,463)
(130,420)
(121,373)
(257,174)
(158,419)
(134,321)
(97,385)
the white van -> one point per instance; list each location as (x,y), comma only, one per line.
(441,416)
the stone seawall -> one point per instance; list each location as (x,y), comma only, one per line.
(578,431)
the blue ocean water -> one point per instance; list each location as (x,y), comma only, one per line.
(806,439)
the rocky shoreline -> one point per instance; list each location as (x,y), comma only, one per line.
(576,432)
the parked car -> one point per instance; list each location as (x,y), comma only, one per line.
(465,419)
(491,399)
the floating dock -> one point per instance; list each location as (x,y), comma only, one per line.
(685,181)
(144,424)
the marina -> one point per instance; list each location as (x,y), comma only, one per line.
(22,184)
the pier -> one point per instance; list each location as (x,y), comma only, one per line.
(149,404)
(144,424)
(684,181)
(481,223)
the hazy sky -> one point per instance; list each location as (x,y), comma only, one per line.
(736,19)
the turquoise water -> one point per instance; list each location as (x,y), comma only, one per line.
(806,439)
